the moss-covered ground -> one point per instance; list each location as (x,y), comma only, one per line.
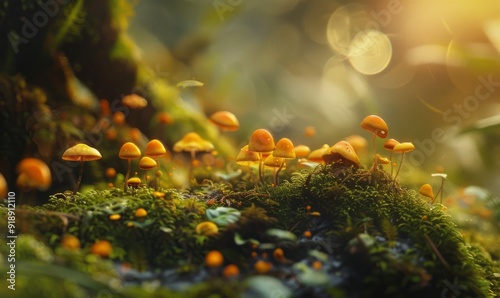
(332,231)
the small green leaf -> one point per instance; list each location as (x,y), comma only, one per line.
(223,216)
(282,234)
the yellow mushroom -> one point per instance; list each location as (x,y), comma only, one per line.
(129,151)
(262,142)
(81,153)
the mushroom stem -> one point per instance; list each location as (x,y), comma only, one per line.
(440,191)
(261,177)
(77,185)
(191,165)
(373,143)
(276,178)
(156,176)
(146,177)
(390,159)
(399,168)
(127,176)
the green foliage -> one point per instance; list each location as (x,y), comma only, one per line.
(385,236)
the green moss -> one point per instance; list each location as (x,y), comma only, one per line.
(385,237)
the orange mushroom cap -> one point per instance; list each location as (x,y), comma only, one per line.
(404,147)
(214,259)
(376,125)
(261,141)
(147,163)
(284,149)
(317,155)
(33,173)
(381,160)
(225,120)
(129,151)
(390,144)
(134,181)
(134,101)
(247,157)
(141,212)
(101,248)
(155,148)
(426,191)
(274,162)
(81,152)
(301,150)
(342,151)
(193,142)
(207,228)
(231,270)
(357,142)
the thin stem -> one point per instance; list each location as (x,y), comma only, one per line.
(156,176)
(77,186)
(127,176)
(390,159)
(260,168)
(146,177)
(276,173)
(191,166)
(440,191)
(373,143)
(399,168)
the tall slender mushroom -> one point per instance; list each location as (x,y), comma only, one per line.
(82,153)
(389,145)
(285,150)
(262,142)
(129,151)
(376,126)
(403,148)
(155,150)
(441,188)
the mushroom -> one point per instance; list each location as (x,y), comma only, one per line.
(426,191)
(129,151)
(357,142)
(301,151)
(231,271)
(214,259)
(155,150)
(284,149)
(82,153)
(342,152)
(275,163)
(375,125)
(192,143)
(389,145)
(207,228)
(147,163)
(134,101)
(225,120)
(247,157)
(33,174)
(141,212)
(441,189)
(403,148)
(317,155)
(262,142)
